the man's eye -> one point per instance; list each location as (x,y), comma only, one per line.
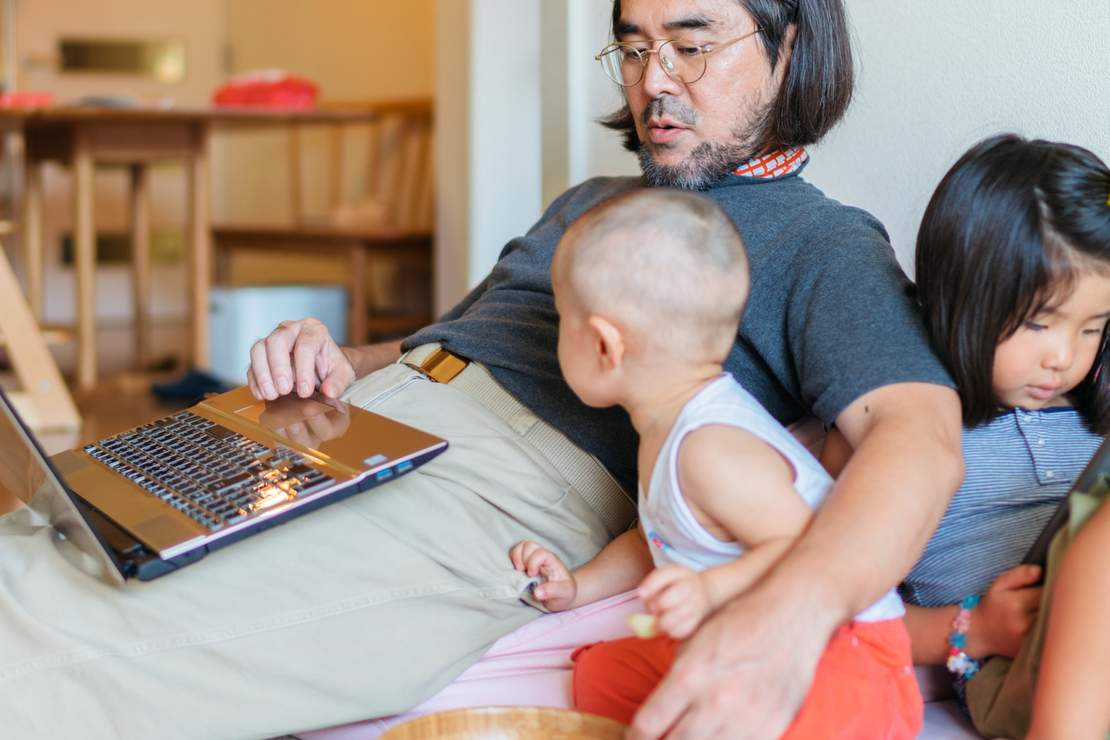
(688,51)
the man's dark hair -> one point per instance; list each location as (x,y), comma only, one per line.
(1004,237)
(818,84)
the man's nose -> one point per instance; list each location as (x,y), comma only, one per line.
(656,81)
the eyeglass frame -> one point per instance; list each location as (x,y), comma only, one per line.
(645,55)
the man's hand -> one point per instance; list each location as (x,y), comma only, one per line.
(559,588)
(678,597)
(301,356)
(1006,613)
(725,687)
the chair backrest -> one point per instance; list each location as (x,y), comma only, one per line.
(398,166)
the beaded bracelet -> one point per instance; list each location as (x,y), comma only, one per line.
(959,662)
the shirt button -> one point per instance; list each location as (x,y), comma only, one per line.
(1040,442)
(1049,474)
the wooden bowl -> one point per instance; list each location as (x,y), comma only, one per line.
(507,723)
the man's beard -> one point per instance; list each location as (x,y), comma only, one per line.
(707,162)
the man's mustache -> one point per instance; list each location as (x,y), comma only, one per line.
(668,106)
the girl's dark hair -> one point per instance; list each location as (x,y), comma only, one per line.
(1004,236)
(818,84)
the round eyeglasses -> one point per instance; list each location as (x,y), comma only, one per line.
(625,61)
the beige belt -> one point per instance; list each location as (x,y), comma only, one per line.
(580,469)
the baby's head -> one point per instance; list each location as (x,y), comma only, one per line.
(1013,276)
(642,281)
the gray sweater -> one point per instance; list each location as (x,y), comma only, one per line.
(829,317)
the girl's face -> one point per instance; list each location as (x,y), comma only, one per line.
(1052,352)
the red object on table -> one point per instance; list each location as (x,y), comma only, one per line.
(268,90)
(26,99)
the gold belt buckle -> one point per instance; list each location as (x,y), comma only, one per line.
(442,366)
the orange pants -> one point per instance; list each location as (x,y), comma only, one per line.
(864,686)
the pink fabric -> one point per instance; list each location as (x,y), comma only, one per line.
(530,666)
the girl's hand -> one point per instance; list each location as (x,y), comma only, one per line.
(559,588)
(1005,614)
(678,597)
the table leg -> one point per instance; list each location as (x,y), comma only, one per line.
(32,236)
(200,246)
(84,243)
(140,259)
(356,322)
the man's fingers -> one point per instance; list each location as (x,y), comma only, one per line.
(305,351)
(260,368)
(252,384)
(277,347)
(666,705)
(337,381)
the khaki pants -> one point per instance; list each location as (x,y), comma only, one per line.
(361,609)
(1000,696)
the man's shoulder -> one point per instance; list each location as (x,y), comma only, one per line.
(795,205)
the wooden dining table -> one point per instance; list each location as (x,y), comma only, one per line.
(136,137)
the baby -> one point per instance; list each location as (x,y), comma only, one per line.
(650,288)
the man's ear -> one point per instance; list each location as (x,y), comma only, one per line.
(609,342)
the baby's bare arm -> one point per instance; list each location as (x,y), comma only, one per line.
(740,487)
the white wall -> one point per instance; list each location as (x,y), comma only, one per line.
(489,149)
(936,77)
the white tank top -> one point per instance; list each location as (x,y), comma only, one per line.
(675,536)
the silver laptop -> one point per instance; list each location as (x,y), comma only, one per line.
(150,500)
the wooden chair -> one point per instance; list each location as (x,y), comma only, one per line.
(44,403)
(392,222)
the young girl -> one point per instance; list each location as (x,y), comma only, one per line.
(1013,276)
(650,287)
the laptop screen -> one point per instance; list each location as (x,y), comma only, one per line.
(26,474)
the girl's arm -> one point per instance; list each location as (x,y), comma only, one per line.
(1071,699)
(998,625)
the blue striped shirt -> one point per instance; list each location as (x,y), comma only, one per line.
(1018,469)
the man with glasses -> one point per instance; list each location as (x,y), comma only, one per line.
(376,603)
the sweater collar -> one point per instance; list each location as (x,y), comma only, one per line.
(779,163)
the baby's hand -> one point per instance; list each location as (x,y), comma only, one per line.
(1008,609)
(559,588)
(678,597)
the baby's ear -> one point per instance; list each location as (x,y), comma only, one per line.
(608,341)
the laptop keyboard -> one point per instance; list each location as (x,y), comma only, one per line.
(206,471)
